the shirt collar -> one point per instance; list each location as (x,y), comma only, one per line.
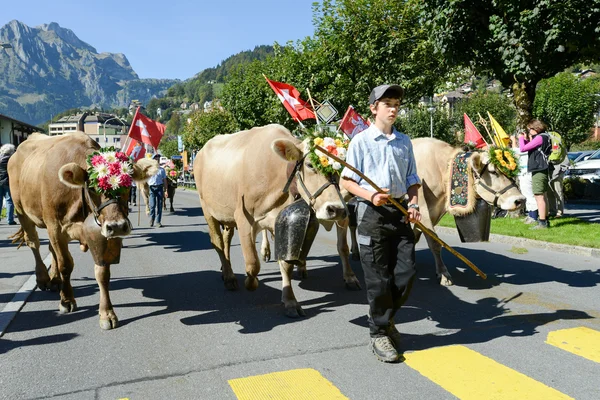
(375,133)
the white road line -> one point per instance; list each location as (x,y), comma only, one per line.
(11,309)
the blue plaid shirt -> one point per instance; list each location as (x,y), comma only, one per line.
(389,163)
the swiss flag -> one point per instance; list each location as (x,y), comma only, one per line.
(353,123)
(135,149)
(472,135)
(146,130)
(290,97)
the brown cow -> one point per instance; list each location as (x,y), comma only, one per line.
(240,178)
(433,194)
(48,183)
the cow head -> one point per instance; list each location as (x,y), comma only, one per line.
(493,186)
(111,213)
(316,189)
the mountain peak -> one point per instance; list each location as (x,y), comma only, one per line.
(67,35)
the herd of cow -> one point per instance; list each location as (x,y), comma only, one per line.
(239,178)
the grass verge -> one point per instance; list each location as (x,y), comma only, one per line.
(565,230)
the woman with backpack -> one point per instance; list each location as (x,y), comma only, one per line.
(538,147)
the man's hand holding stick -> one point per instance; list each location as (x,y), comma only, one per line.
(423,228)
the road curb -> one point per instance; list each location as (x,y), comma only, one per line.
(539,244)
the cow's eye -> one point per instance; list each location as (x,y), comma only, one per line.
(309,165)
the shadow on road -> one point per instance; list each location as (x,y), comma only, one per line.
(181,241)
(503,269)
(8,345)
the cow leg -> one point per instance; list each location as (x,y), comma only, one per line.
(247,242)
(108,318)
(441,271)
(350,278)
(171,198)
(292,308)
(64,262)
(32,240)
(265,246)
(55,281)
(216,238)
(227,237)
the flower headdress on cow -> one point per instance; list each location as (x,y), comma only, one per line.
(505,160)
(335,143)
(109,171)
(172,171)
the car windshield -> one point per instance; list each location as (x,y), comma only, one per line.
(595,156)
(573,156)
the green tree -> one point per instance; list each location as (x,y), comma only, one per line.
(418,123)
(174,124)
(568,105)
(480,103)
(205,125)
(520,42)
(168,148)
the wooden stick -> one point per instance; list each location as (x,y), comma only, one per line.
(422,227)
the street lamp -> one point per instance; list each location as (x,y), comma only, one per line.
(104,127)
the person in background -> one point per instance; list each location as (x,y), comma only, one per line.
(386,239)
(525,184)
(538,148)
(133,194)
(158,190)
(556,196)
(6,151)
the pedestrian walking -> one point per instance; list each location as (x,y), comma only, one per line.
(385,236)
(6,151)
(158,190)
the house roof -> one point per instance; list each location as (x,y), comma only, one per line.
(23,124)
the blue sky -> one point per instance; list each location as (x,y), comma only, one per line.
(171,38)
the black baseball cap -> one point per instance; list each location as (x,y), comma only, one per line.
(392,91)
(156,156)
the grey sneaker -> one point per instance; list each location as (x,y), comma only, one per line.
(529,221)
(151,222)
(159,225)
(383,348)
(394,335)
(541,225)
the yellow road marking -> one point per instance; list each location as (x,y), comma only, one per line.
(582,341)
(296,384)
(470,375)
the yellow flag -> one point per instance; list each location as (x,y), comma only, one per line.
(500,134)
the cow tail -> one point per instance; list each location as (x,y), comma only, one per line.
(18,237)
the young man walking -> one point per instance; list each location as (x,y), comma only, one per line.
(385,236)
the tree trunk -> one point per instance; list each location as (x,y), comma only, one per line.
(524,94)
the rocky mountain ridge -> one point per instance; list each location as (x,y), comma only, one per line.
(49,69)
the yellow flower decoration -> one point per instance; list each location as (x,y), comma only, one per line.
(324,161)
(505,161)
(318,141)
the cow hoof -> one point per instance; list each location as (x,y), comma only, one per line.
(294,311)
(83,247)
(266,255)
(445,280)
(172,210)
(231,284)
(352,283)
(251,283)
(108,324)
(67,307)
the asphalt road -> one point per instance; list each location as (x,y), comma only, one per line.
(528,331)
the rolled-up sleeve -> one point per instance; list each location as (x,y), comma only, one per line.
(353,158)
(411,174)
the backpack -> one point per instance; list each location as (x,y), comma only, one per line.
(558,151)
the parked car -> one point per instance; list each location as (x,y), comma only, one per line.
(588,169)
(576,156)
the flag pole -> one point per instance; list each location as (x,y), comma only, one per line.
(313,106)
(424,229)
(483,122)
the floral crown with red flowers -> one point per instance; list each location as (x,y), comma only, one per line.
(109,171)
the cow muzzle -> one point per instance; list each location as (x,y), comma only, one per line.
(331,211)
(114,229)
